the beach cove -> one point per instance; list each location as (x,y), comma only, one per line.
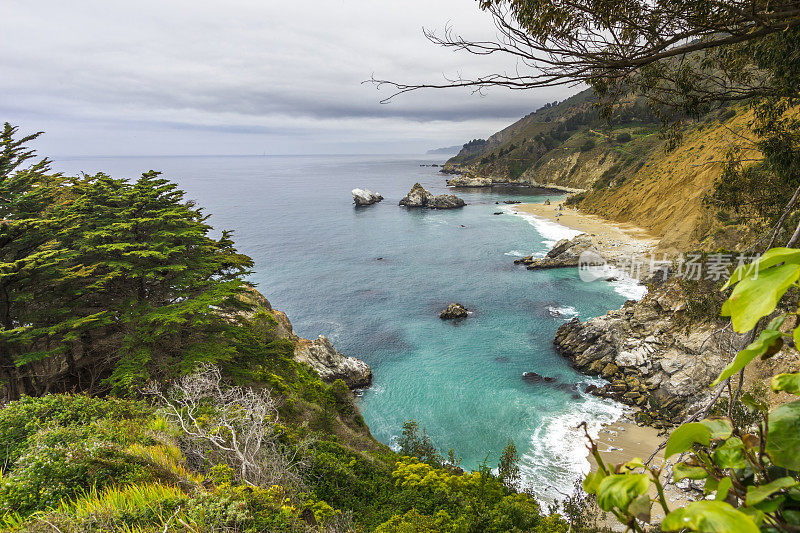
(374,280)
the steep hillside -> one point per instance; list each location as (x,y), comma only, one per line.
(624,169)
(665,192)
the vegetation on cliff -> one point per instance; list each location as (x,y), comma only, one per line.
(152,390)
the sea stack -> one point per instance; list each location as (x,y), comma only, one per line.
(454,310)
(418,196)
(365,197)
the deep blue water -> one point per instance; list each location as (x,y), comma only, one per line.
(316,259)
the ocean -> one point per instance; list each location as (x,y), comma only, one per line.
(374,279)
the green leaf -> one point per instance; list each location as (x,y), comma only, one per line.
(783,436)
(771,257)
(683,471)
(786,382)
(759,493)
(765,340)
(619,490)
(720,427)
(723,487)
(592,482)
(754,298)
(640,508)
(685,436)
(754,403)
(730,454)
(771,505)
(709,517)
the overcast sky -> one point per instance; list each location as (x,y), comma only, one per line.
(176,77)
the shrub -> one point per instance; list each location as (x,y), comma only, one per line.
(624,138)
(589,144)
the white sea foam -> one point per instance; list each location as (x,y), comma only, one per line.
(550,231)
(562,312)
(557,456)
(516,253)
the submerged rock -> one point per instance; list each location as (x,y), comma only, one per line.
(332,365)
(533,377)
(365,197)
(469,181)
(454,310)
(418,196)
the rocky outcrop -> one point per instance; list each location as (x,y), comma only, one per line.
(418,196)
(651,356)
(454,310)
(566,253)
(469,181)
(331,365)
(365,197)
(319,354)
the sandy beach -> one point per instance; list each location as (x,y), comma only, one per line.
(623,441)
(616,241)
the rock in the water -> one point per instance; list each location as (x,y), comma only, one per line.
(419,197)
(565,253)
(365,197)
(533,377)
(332,365)
(469,181)
(454,310)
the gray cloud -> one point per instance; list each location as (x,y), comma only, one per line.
(241,75)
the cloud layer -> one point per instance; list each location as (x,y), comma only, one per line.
(243,76)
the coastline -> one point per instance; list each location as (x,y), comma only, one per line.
(621,440)
(616,241)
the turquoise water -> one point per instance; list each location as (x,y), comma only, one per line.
(317,259)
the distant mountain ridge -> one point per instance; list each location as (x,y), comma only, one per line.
(445,150)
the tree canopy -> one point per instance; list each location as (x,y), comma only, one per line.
(105,282)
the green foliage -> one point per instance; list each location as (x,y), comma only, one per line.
(755,476)
(589,144)
(508,468)
(709,516)
(132,280)
(415,442)
(783,436)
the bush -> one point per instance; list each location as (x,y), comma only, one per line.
(21,419)
(624,138)
(589,144)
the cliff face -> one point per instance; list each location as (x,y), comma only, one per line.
(319,354)
(650,356)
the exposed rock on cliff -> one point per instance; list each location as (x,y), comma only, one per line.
(652,359)
(469,181)
(365,197)
(566,253)
(319,354)
(332,365)
(418,196)
(454,310)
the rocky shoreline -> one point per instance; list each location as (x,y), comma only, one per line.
(653,356)
(650,354)
(465,177)
(319,354)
